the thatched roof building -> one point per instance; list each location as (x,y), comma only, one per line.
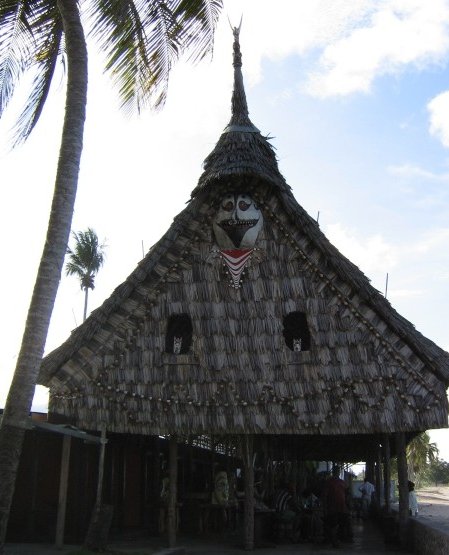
(244,319)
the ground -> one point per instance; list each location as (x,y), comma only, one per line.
(433,502)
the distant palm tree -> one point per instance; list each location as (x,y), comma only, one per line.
(85,260)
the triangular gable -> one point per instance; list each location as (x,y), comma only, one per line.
(365,370)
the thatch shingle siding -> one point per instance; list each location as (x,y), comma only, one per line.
(367,370)
(362,374)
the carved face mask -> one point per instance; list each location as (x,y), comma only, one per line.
(238,222)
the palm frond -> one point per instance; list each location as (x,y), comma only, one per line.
(198,20)
(48,35)
(15,46)
(142,40)
(164,46)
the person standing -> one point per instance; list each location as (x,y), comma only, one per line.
(367,489)
(412,499)
(287,511)
(337,523)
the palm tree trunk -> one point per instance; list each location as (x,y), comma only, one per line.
(21,392)
(86,294)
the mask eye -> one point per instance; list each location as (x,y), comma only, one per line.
(244,205)
(228,206)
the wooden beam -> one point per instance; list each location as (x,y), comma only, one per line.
(173,477)
(378,474)
(100,520)
(101,467)
(248,515)
(387,473)
(403,487)
(63,483)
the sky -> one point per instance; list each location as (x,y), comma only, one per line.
(355,99)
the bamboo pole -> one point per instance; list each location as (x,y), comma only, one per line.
(63,484)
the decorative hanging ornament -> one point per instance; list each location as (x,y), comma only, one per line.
(236,260)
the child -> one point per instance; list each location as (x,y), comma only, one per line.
(412,499)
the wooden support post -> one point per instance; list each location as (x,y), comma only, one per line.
(369,469)
(63,483)
(173,477)
(212,464)
(270,488)
(248,515)
(101,467)
(378,475)
(403,487)
(101,518)
(387,473)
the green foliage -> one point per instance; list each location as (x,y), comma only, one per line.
(31,38)
(421,455)
(86,258)
(437,472)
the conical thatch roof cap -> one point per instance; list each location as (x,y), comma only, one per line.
(241,150)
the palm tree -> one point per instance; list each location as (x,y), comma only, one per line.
(142,40)
(420,453)
(85,261)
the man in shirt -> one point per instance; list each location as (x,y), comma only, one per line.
(367,489)
(337,524)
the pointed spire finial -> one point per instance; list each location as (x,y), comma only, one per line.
(242,151)
(240,116)
(237,53)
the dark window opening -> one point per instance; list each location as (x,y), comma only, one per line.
(178,339)
(296,331)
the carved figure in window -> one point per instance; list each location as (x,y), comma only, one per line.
(296,332)
(178,339)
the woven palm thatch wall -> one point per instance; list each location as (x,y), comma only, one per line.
(366,373)
(367,370)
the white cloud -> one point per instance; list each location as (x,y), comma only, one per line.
(369,253)
(435,239)
(404,293)
(399,33)
(410,171)
(376,257)
(438,109)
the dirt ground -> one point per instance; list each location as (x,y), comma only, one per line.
(433,502)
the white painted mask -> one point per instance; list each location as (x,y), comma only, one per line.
(238,222)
